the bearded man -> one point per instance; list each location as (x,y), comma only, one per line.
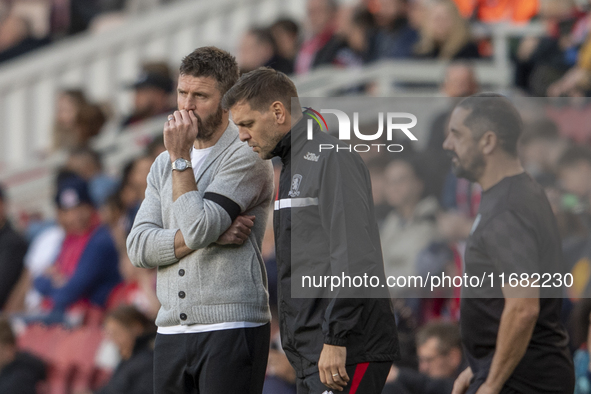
(196,225)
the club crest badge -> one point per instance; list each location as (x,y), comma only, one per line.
(295,185)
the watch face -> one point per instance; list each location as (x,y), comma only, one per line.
(180,164)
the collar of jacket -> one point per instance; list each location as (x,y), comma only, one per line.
(296,136)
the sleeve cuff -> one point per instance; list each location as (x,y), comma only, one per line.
(166,254)
(335,341)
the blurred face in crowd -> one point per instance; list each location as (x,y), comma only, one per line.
(202,96)
(123,337)
(434,363)
(253,53)
(402,187)
(138,178)
(440,21)
(67,111)
(13,30)
(258,129)
(83,165)
(467,159)
(460,81)
(150,101)
(576,178)
(320,14)
(76,220)
(287,43)
(388,11)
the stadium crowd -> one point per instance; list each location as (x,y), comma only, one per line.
(67,286)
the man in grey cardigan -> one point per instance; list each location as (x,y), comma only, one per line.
(194,226)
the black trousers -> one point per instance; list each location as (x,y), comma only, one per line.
(364,378)
(216,362)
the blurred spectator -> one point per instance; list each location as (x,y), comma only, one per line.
(87,164)
(543,60)
(16,38)
(286,32)
(574,174)
(376,167)
(358,38)
(19,372)
(257,49)
(155,147)
(13,248)
(460,80)
(81,14)
(133,334)
(582,332)
(517,11)
(540,147)
(396,37)
(133,187)
(439,350)
(152,96)
(77,120)
(444,34)
(86,269)
(411,226)
(317,49)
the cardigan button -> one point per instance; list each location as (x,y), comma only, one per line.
(181,272)
(182,294)
(183,316)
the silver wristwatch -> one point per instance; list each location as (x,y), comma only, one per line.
(181,164)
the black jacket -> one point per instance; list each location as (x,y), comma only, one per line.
(135,375)
(324,224)
(22,375)
(13,248)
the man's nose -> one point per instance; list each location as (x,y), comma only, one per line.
(243,135)
(447,145)
(188,105)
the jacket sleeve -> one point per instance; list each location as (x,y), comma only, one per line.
(239,185)
(344,209)
(149,244)
(99,255)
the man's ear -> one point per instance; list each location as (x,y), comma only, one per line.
(279,113)
(489,142)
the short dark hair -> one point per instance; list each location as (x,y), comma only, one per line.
(260,88)
(447,333)
(263,36)
(493,112)
(212,62)
(7,336)
(573,156)
(287,25)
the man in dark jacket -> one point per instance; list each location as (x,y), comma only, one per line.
(19,372)
(324,224)
(13,248)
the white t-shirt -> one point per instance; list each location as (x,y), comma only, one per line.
(198,157)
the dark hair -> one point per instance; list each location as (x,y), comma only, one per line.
(261,87)
(212,62)
(493,112)
(363,18)
(574,155)
(7,336)
(129,315)
(93,155)
(448,335)
(263,36)
(287,25)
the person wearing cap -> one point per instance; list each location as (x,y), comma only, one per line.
(13,248)
(152,97)
(86,269)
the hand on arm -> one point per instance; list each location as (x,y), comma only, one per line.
(462,381)
(522,307)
